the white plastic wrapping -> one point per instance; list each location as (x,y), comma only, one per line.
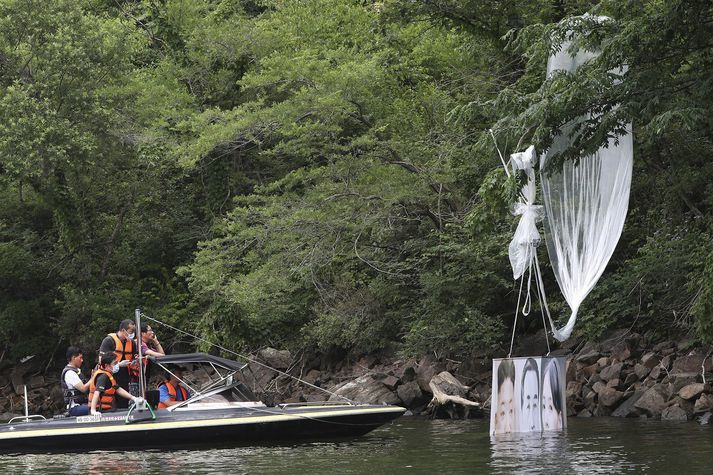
(585,206)
(526,238)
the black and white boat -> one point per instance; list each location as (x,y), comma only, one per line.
(223,411)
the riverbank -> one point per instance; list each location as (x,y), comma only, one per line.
(622,375)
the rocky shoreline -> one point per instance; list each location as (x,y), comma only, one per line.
(624,375)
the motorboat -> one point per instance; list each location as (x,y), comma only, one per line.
(221,411)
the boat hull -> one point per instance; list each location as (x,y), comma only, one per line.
(195,428)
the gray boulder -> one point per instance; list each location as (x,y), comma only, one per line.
(690,364)
(609,397)
(278,359)
(589,358)
(692,390)
(409,393)
(365,390)
(674,413)
(651,402)
(628,407)
(611,372)
(704,404)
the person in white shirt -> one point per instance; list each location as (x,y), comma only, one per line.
(74,385)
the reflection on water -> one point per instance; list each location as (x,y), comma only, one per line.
(420,446)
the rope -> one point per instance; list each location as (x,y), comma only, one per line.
(517,310)
(248,359)
(543,302)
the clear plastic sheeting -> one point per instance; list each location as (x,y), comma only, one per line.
(585,206)
(526,238)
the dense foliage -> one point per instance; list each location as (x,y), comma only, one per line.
(321,174)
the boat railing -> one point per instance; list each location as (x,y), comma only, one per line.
(313,403)
(27,417)
(31,417)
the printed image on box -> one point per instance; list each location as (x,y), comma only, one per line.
(528,395)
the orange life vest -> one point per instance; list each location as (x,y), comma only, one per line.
(172,393)
(124,351)
(106,400)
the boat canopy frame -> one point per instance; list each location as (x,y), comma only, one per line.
(225,377)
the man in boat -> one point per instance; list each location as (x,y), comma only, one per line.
(171,391)
(103,387)
(74,385)
(122,345)
(150,346)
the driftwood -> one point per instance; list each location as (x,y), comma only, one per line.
(449,395)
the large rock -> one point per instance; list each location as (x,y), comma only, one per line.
(365,390)
(35,382)
(278,359)
(652,402)
(641,371)
(674,413)
(628,407)
(631,378)
(609,397)
(391,382)
(704,404)
(589,358)
(690,364)
(692,390)
(258,376)
(680,381)
(621,351)
(598,387)
(589,371)
(650,360)
(409,393)
(312,377)
(611,372)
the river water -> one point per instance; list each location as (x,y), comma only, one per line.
(420,446)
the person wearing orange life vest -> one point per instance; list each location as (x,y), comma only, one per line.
(171,391)
(103,387)
(122,345)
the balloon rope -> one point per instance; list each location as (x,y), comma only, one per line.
(543,302)
(527,306)
(517,310)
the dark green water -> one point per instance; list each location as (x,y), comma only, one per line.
(420,446)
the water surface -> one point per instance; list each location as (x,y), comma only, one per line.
(421,446)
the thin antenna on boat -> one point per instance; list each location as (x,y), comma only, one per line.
(142,382)
(27,408)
